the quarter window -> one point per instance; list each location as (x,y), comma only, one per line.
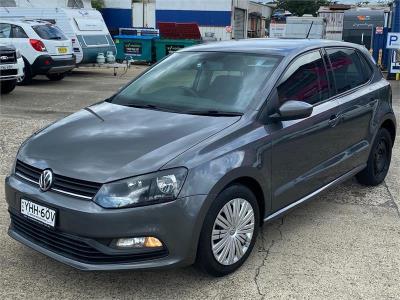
(18,32)
(305,80)
(348,69)
(5,31)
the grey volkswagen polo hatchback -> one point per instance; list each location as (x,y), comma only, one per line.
(186,162)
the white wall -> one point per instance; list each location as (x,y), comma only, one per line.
(220,32)
(215,5)
(48,3)
(118,4)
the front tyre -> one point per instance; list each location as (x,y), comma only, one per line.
(378,161)
(229,231)
(8,86)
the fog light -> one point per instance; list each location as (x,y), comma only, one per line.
(139,242)
(152,242)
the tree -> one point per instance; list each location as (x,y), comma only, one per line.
(98,4)
(301,7)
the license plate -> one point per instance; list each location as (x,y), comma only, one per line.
(6,67)
(62,50)
(38,212)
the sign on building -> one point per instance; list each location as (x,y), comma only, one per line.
(277,30)
(393,40)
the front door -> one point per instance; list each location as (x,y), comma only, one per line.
(303,151)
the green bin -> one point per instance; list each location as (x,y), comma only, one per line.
(139,48)
(165,47)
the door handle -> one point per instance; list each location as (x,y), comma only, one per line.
(334,120)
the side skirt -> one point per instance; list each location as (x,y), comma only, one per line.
(293,205)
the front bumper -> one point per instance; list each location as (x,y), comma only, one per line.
(18,68)
(47,64)
(177,224)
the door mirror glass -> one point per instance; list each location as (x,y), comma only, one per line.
(293,110)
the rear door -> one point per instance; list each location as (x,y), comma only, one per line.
(357,99)
(303,151)
(20,40)
(57,44)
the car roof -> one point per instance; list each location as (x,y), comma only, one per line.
(23,22)
(272,46)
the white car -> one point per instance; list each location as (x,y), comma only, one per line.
(43,46)
(11,68)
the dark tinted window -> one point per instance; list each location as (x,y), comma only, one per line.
(49,32)
(18,33)
(305,80)
(348,69)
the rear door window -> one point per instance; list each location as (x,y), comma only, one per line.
(305,80)
(49,32)
(349,71)
(366,67)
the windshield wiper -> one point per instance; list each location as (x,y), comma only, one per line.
(215,113)
(150,106)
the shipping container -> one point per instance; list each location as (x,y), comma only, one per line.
(359,25)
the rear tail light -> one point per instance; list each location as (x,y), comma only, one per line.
(38,45)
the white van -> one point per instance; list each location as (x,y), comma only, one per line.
(76,18)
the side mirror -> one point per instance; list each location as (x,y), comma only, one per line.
(293,110)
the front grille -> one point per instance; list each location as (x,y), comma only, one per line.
(8,57)
(64,185)
(8,72)
(71,246)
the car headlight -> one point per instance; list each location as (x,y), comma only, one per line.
(159,187)
(18,53)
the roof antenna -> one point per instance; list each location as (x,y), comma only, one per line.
(309,30)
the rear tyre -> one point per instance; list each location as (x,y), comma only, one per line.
(55,77)
(7,86)
(378,161)
(229,231)
(27,78)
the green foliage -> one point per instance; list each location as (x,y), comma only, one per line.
(98,4)
(301,7)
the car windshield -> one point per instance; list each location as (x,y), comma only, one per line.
(49,32)
(200,82)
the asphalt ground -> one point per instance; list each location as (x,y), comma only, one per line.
(342,245)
